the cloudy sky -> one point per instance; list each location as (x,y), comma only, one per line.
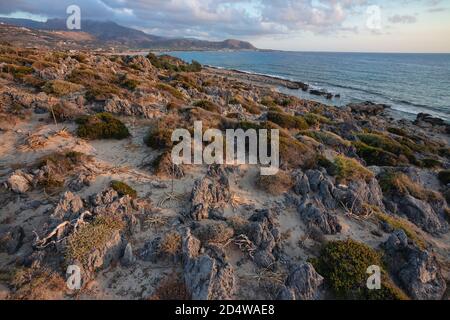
(312,25)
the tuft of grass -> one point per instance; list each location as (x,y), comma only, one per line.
(207,105)
(343,264)
(348,169)
(101,126)
(123,189)
(400,184)
(91,237)
(171,288)
(287,121)
(405,225)
(61,87)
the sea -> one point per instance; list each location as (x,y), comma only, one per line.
(409,83)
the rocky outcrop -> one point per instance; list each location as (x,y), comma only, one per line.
(126,108)
(207,274)
(210,192)
(303,283)
(20,181)
(416,270)
(368,108)
(263,231)
(314,214)
(68,207)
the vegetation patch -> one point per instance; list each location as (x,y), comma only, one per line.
(328,138)
(375,156)
(171,90)
(171,287)
(344,264)
(37,284)
(101,126)
(123,189)
(61,87)
(405,225)
(348,169)
(91,237)
(207,105)
(397,183)
(287,121)
(314,119)
(101,91)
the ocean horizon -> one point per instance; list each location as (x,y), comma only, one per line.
(410,83)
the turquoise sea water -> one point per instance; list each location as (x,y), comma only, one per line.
(409,83)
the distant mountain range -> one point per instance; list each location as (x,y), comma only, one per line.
(111,34)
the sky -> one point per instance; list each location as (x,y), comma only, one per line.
(295,25)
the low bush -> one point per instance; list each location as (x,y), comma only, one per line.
(343,264)
(348,169)
(37,284)
(123,189)
(171,90)
(101,126)
(171,287)
(213,232)
(328,138)
(61,87)
(397,183)
(91,237)
(101,91)
(287,121)
(314,119)
(208,106)
(375,156)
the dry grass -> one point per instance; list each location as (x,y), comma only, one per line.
(276,184)
(171,288)
(171,243)
(37,284)
(400,183)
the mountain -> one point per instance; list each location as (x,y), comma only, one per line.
(111,34)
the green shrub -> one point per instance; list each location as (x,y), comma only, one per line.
(207,105)
(375,156)
(287,121)
(343,264)
(348,169)
(314,119)
(387,144)
(444,177)
(159,137)
(61,87)
(269,102)
(123,189)
(101,126)
(130,84)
